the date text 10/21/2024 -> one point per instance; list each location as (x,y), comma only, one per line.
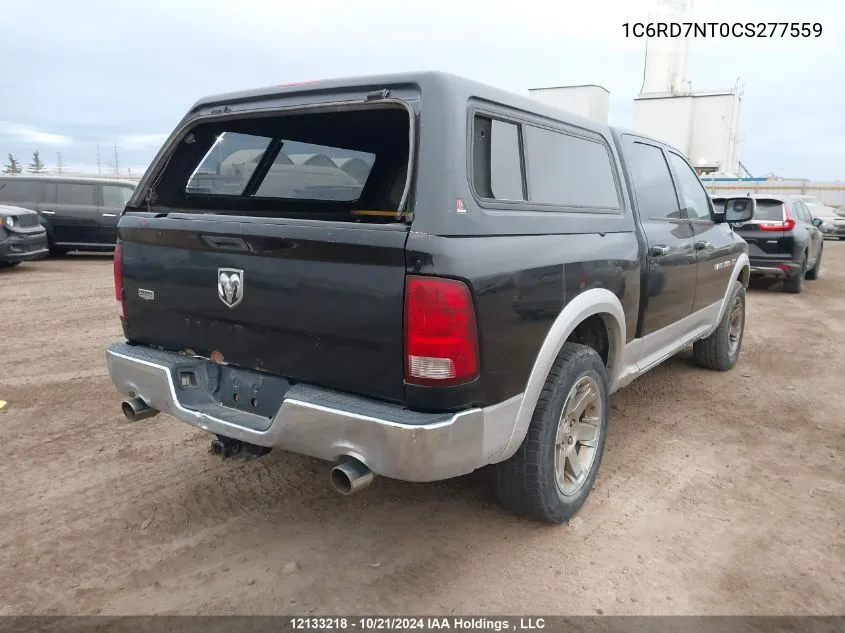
(722,29)
(432,623)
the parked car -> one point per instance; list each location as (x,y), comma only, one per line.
(809,200)
(833,224)
(784,241)
(22,238)
(80,214)
(501,270)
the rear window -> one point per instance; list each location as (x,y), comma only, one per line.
(19,190)
(766,211)
(330,164)
(299,171)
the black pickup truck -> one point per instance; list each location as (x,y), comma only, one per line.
(417,276)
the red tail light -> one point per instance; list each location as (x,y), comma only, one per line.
(786,225)
(118,278)
(441,339)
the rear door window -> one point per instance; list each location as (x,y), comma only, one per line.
(75,193)
(115,196)
(693,196)
(652,180)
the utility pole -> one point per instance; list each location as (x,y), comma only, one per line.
(116,163)
(99,169)
(59,165)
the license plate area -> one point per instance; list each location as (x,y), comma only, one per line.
(202,383)
(251,391)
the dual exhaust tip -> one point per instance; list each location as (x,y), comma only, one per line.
(351,476)
(136,409)
(348,477)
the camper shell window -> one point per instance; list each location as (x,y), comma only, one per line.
(294,164)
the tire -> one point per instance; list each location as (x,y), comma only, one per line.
(795,284)
(813,273)
(720,351)
(527,483)
(9,264)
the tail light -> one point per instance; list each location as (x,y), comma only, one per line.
(118,278)
(786,225)
(441,339)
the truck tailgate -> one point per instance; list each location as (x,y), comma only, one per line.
(319,302)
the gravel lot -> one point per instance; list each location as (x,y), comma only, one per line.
(719,493)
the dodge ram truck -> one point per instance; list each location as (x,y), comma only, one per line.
(416,276)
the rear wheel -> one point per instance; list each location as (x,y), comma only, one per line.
(9,264)
(550,476)
(720,350)
(796,284)
(813,273)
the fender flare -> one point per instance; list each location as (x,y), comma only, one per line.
(590,302)
(742,262)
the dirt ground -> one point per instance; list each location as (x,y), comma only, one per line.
(720,493)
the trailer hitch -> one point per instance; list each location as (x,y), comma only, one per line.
(226,447)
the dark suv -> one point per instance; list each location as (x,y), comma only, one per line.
(80,214)
(784,240)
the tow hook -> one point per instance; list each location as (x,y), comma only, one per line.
(226,447)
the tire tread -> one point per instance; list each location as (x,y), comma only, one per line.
(712,352)
(519,480)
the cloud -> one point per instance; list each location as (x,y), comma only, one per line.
(118,90)
(28,134)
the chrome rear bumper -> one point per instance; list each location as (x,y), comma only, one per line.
(391,441)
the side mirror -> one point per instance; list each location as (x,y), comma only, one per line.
(817,222)
(737,210)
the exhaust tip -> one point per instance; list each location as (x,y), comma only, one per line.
(351,476)
(136,409)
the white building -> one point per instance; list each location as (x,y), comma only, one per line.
(703,124)
(591,102)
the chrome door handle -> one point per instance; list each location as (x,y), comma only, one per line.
(700,246)
(109,215)
(657,251)
(49,212)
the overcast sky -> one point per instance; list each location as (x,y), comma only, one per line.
(80,72)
